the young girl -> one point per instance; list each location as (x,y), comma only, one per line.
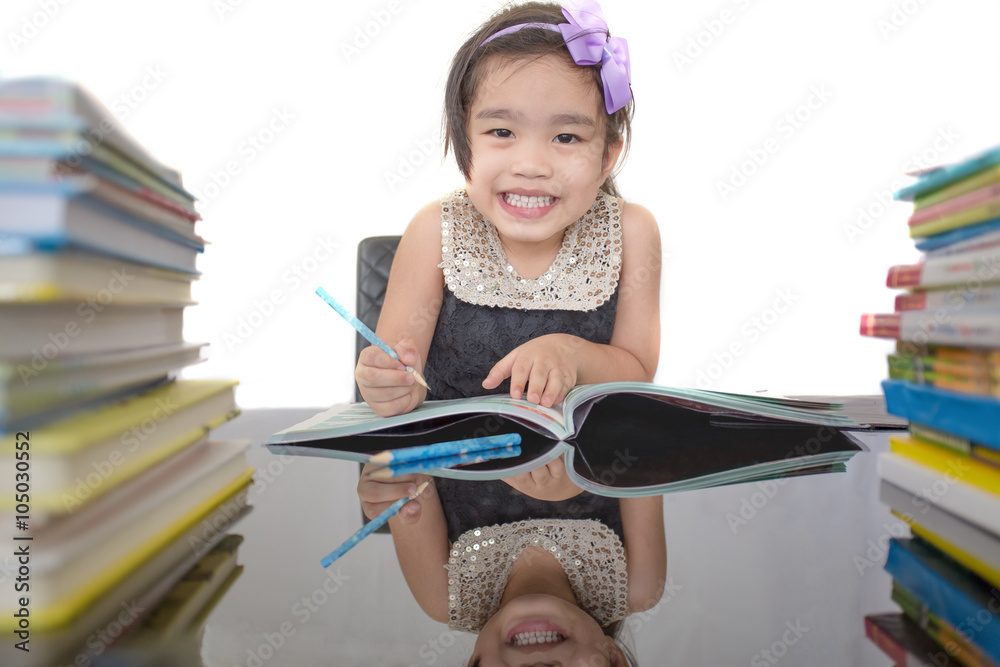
(534,278)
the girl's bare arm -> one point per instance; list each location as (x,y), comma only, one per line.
(646,550)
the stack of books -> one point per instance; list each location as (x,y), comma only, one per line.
(943,477)
(115,489)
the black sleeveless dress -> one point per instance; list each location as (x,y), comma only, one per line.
(470,338)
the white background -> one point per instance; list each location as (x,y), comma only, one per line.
(904,82)
(360,154)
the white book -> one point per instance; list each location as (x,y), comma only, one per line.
(930,486)
(56,330)
(953,529)
(72,275)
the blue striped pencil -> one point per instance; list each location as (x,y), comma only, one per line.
(438,449)
(370,527)
(443,462)
(369,335)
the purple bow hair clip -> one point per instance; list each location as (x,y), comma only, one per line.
(586,37)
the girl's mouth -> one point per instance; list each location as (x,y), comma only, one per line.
(526,206)
(522,201)
(534,638)
(535,633)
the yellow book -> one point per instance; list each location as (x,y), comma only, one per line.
(961,556)
(66,593)
(963,218)
(77,459)
(955,466)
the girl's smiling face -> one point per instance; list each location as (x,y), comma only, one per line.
(536,129)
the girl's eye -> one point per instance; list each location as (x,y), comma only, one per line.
(565,138)
(503,134)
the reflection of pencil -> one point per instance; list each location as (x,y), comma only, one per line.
(370,527)
(452,448)
(442,462)
(369,335)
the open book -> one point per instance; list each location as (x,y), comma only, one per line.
(620,439)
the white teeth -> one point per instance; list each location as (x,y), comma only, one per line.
(528,638)
(527,202)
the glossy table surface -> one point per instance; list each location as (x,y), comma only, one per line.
(772,573)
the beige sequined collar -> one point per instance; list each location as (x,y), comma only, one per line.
(590,553)
(582,277)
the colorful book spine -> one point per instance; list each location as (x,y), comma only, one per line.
(965,415)
(956,444)
(984,195)
(950,299)
(948,591)
(970,503)
(969,328)
(966,269)
(959,188)
(945,176)
(961,468)
(978,566)
(988,211)
(943,633)
(902,640)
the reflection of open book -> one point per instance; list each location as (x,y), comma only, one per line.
(620,439)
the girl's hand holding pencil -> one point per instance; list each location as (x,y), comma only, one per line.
(377,495)
(384,382)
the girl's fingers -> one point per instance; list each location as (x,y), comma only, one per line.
(370,376)
(376,358)
(520,379)
(500,372)
(556,387)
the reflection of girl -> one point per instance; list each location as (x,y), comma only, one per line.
(539,275)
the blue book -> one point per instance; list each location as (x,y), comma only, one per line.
(61,215)
(938,241)
(942,176)
(948,591)
(966,415)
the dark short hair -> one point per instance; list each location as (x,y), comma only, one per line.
(473,63)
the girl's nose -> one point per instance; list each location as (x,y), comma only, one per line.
(531,160)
